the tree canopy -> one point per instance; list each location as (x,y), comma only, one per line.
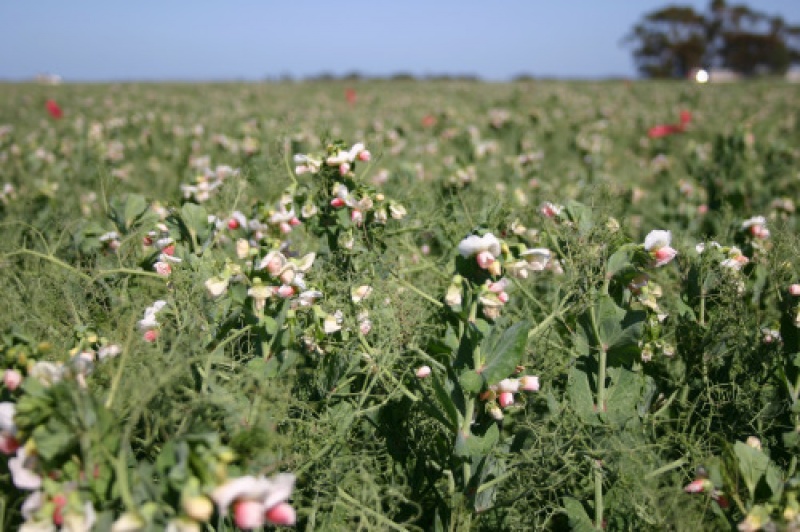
(673,40)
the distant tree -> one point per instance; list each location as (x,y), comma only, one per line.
(671,41)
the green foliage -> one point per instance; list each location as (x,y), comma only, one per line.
(186,307)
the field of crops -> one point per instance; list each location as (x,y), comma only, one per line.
(400,306)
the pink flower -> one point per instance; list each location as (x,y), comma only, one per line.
(485,259)
(505,399)
(364,156)
(151,335)
(285,291)
(248,514)
(12,378)
(658,244)
(337,203)
(162,268)
(282,514)
(54,110)
(529,383)
(257,500)
(423,372)
(8,444)
(795,289)
(701,485)
(664,130)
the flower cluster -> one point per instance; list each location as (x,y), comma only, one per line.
(501,395)
(148,324)
(208,183)
(257,501)
(657,244)
(493,259)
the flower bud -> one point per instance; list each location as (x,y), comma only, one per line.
(529,383)
(423,372)
(200,508)
(285,291)
(794,289)
(248,514)
(505,399)
(754,442)
(485,259)
(12,378)
(282,514)
(493,410)
(337,203)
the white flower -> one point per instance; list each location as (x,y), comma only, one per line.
(307,298)
(333,322)
(537,258)
(657,242)
(361,293)
(755,220)
(108,351)
(149,320)
(216,286)
(508,385)
(128,522)
(47,373)
(32,503)
(657,239)
(267,491)
(7,412)
(474,244)
(21,468)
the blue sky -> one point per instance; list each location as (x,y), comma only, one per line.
(94,40)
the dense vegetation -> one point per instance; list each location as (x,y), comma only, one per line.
(400,306)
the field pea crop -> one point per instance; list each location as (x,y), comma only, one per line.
(400,305)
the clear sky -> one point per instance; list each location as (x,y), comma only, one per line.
(95,40)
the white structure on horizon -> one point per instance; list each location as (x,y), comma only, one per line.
(49,79)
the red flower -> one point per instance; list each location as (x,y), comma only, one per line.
(350,96)
(54,110)
(428,121)
(664,130)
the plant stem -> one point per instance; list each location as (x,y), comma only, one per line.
(601,364)
(598,496)
(52,259)
(419,292)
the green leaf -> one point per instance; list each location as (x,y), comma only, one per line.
(620,260)
(195,219)
(623,396)
(504,355)
(579,520)
(446,402)
(470,381)
(135,206)
(619,331)
(752,464)
(473,446)
(53,439)
(580,395)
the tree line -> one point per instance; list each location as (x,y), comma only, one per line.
(674,40)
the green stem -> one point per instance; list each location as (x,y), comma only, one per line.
(52,259)
(601,365)
(419,292)
(598,496)
(104,273)
(663,469)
